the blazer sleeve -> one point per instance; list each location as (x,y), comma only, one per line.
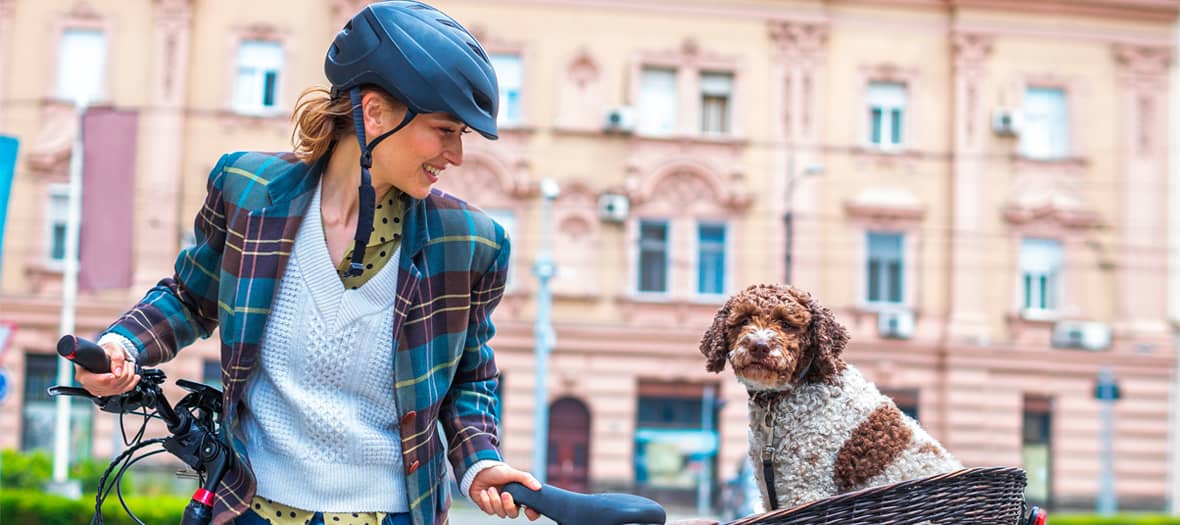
(181,308)
(469,413)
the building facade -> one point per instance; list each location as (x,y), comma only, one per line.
(978,188)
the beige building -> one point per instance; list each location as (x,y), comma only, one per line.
(977,188)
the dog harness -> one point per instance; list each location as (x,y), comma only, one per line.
(767,399)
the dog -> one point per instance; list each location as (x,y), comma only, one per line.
(817,427)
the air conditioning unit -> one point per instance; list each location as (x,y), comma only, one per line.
(1081,335)
(613,207)
(619,120)
(1007,122)
(895,323)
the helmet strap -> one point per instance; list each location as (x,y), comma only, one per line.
(368,196)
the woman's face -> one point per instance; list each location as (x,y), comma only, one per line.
(413,158)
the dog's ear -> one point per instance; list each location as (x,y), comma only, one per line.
(828,339)
(714,343)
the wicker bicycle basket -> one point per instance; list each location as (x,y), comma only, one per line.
(975,496)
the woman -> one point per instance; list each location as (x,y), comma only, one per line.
(350,325)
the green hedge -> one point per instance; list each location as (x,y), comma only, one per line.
(1118,519)
(32,470)
(28,507)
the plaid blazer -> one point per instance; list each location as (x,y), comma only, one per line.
(451,275)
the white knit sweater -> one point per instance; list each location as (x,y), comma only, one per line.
(321,426)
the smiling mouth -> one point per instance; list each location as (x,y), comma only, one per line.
(431,172)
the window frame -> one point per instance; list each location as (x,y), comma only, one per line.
(256,105)
(100,92)
(503,118)
(1060,143)
(53,217)
(887,116)
(1056,279)
(699,256)
(668,256)
(884,272)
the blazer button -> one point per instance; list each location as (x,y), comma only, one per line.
(413,467)
(408,418)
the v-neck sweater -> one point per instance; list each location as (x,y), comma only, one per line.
(320,428)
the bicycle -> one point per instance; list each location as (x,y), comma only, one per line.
(977,495)
(194,424)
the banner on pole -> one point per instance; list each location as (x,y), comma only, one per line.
(8,149)
(105,249)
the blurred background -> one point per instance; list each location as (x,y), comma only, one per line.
(980,189)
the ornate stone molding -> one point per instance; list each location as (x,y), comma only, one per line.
(685,182)
(82,10)
(1052,212)
(793,38)
(971,50)
(1144,67)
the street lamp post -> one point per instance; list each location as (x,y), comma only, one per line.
(789,216)
(543,336)
(61,484)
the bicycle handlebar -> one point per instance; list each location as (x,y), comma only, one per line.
(85,353)
(194,438)
(571,508)
(197,446)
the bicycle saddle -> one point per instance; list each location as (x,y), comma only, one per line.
(571,508)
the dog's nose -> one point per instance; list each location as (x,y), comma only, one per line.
(759,350)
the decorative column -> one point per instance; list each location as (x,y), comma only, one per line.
(797,77)
(157,230)
(6,9)
(968,321)
(1141,311)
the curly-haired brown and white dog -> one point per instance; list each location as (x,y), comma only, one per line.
(817,426)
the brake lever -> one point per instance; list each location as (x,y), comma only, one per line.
(58,390)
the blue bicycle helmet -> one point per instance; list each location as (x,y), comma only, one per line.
(425,60)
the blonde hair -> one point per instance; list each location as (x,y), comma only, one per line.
(320,120)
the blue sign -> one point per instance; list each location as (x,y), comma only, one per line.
(3,385)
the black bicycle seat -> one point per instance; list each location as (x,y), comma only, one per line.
(571,508)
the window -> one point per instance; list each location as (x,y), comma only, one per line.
(507,220)
(1045,134)
(510,75)
(711,258)
(670,443)
(256,88)
(653,256)
(81,66)
(38,411)
(1037,449)
(1041,262)
(885,267)
(57,217)
(716,94)
(658,105)
(887,104)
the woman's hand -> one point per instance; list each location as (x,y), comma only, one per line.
(121,378)
(487,491)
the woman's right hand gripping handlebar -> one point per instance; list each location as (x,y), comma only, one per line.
(121,376)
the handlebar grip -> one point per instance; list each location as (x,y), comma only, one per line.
(85,353)
(523,495)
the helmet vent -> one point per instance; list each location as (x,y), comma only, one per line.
(482,101)
(479,51)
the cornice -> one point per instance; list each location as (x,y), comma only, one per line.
(1163,11)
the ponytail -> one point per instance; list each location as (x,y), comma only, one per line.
(319,120)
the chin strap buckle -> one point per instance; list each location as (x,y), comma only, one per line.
(354,269)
